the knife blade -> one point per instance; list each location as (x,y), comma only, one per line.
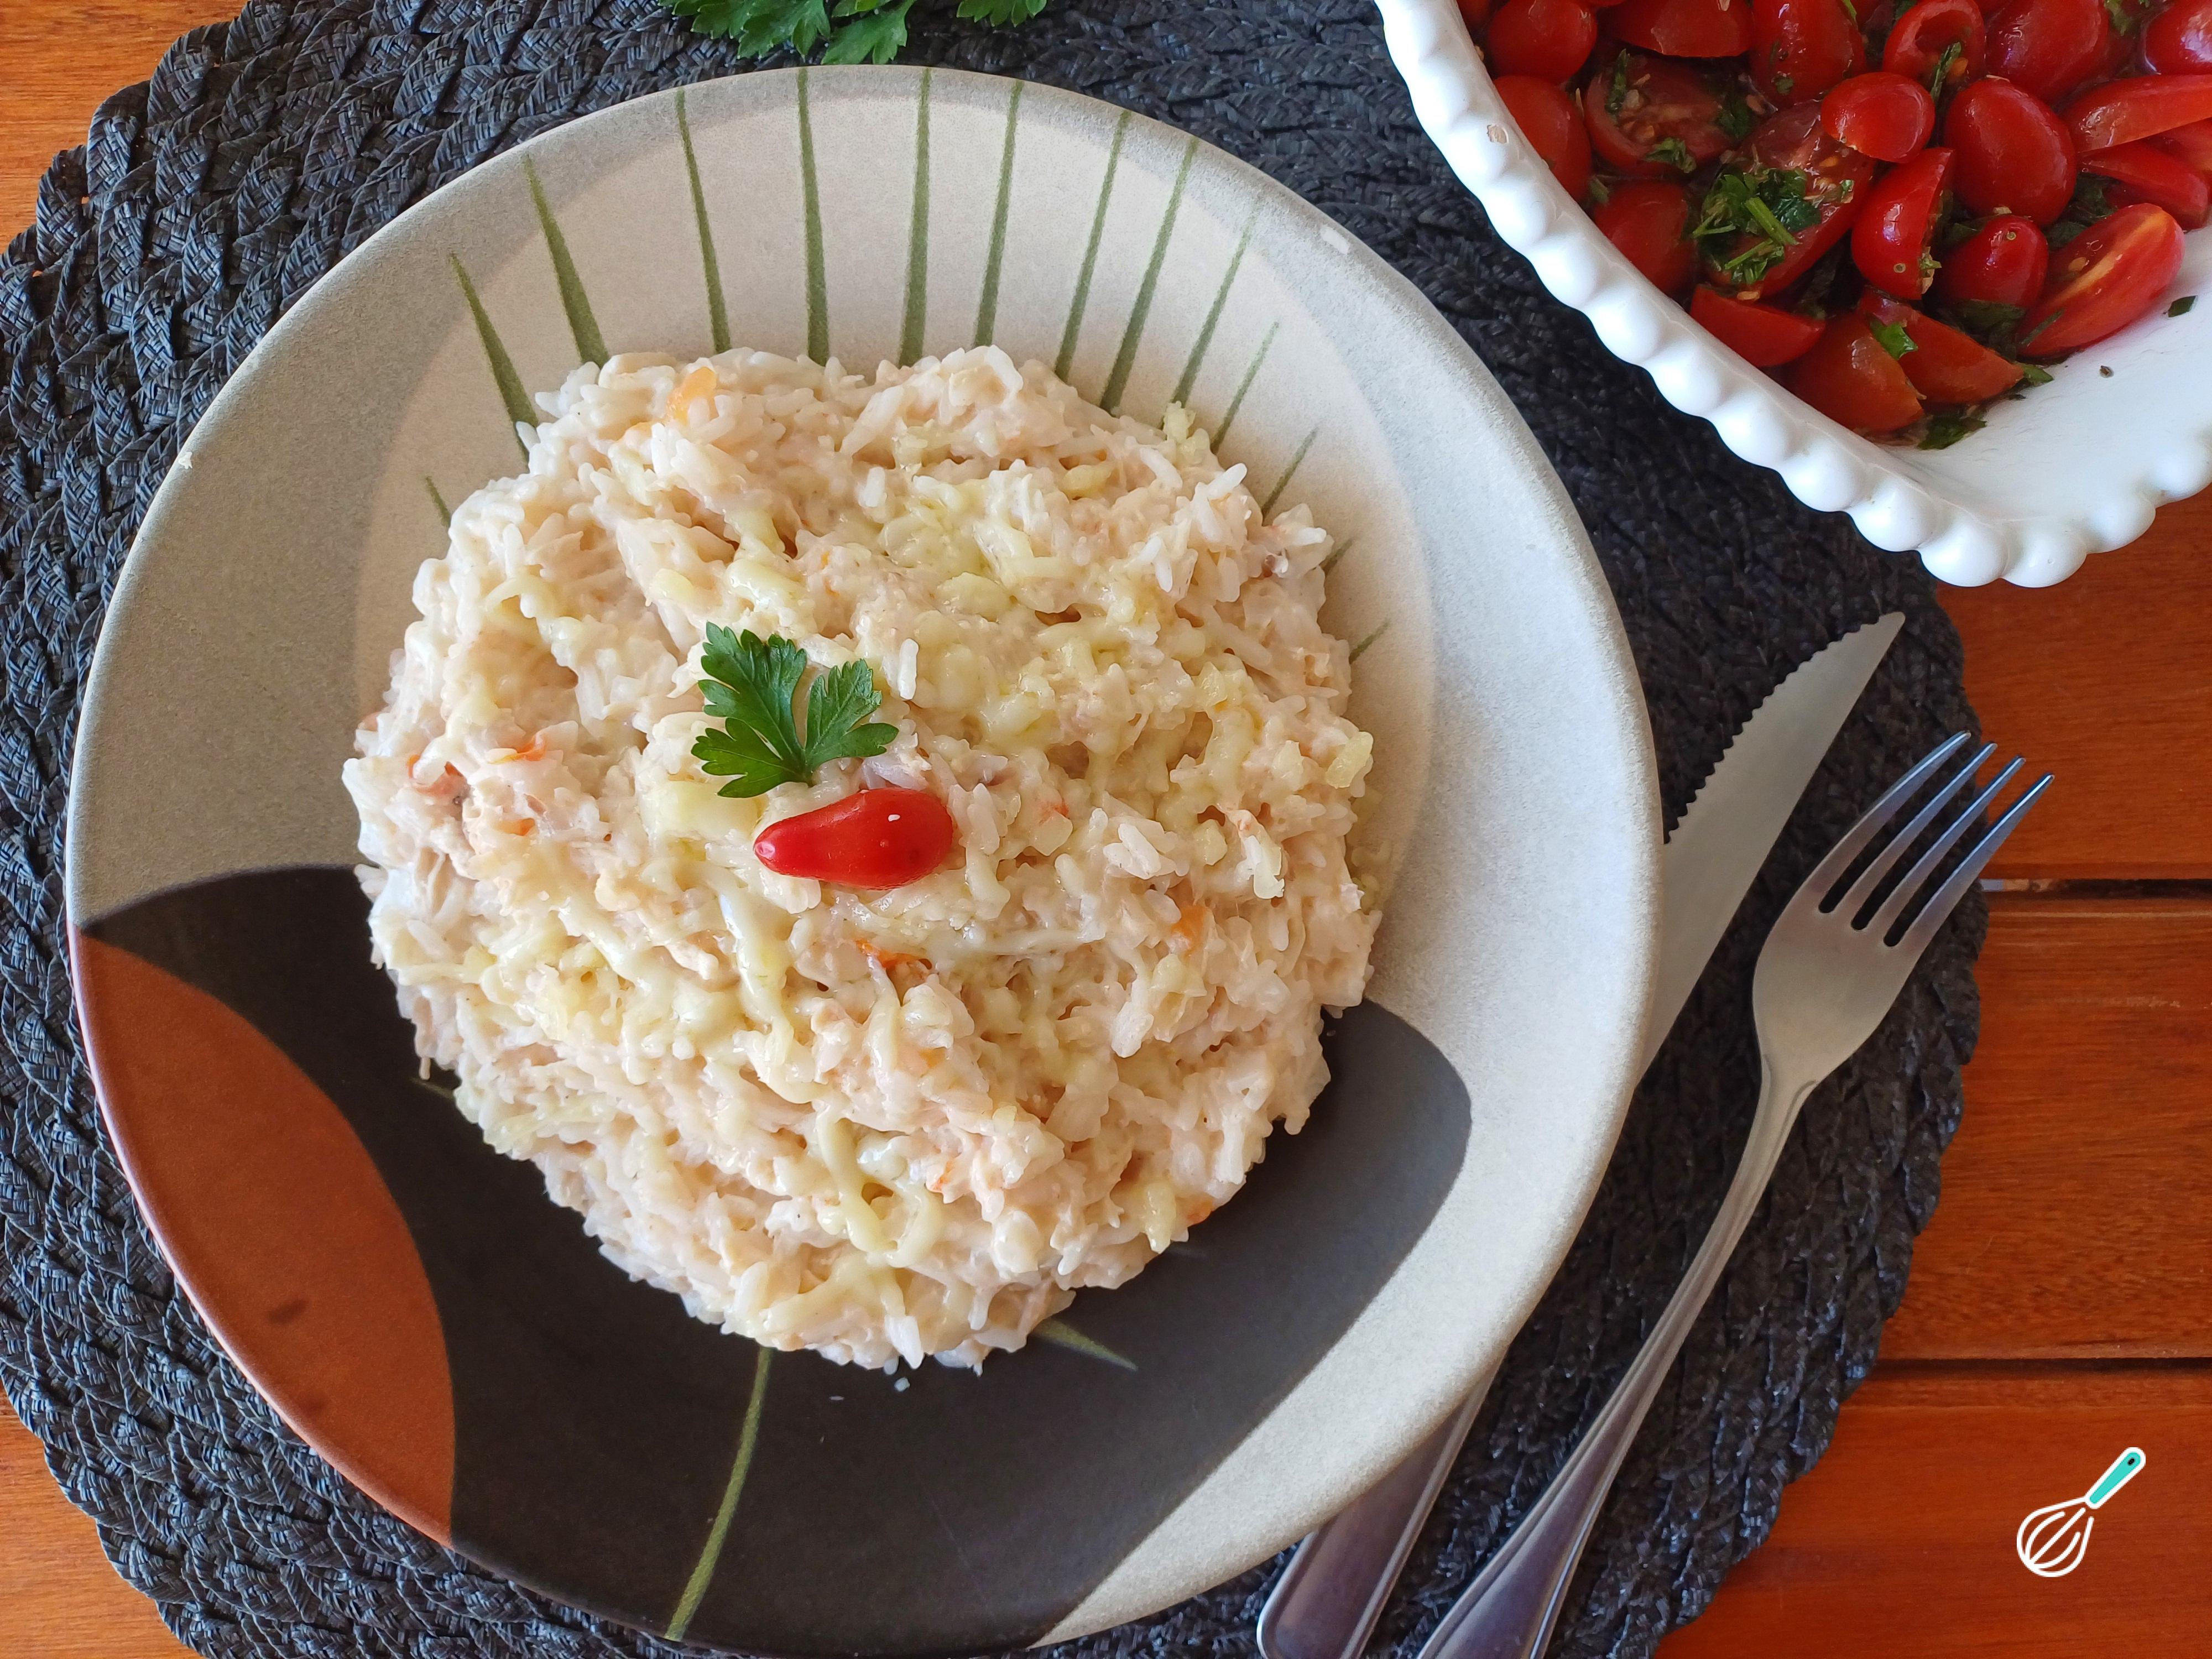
(1326,1604)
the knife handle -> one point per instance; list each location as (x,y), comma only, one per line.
(1326,1604)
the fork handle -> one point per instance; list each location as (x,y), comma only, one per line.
(1509,1611)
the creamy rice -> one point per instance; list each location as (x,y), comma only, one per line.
(880,1124)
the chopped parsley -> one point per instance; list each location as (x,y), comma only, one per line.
(2126,19)
(1675,152)
(1784,85)
(1766,204)
(863,31)
(1616,93)
(2182,306)
(750,686)
(1601,192)
(2090,204)
(1939,78)
(1892,337)
(1947,427)
(2034,375)
(1735,120)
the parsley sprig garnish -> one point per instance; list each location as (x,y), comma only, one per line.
(1767,204)
(750,686)
(855,31)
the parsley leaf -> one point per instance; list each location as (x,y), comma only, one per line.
(2182,306)
(1735,120)
(1939,78)
(1892,337)
(2034,375)
(750,687)
(858,31)
(1675,152)
(2126,19)
(1766,205)
(1616,92)
(2090,204)
(1947,428)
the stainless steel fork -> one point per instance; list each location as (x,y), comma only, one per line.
(1831,969)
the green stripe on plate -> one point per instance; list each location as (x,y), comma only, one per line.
(1065,362)
(445,512)
(917,241)
(583,328)
(817,281)
(1338,552)
(718,313)
(987,308)
(1183,386)
(1251,373)
(1276,494)
(512,392)
(703,1574)
(1126,358)
(1063,1334)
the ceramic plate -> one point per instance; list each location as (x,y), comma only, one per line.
(414,1304)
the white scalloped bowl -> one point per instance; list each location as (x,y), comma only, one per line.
(2077,468)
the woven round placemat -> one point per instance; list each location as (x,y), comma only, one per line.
(209,199)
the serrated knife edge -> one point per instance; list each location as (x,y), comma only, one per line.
(1737,814)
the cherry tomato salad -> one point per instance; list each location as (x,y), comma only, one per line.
(1901,208)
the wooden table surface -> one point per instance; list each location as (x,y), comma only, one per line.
(2060,1306)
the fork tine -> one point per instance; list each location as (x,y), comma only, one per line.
(1830,869)
(1948,894)
(1909,886)
(1862,889)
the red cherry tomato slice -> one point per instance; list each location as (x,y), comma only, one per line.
(1918,39)
(1549,121)
(2002,263)
(1636,104)
(2191,144)
(1884,115)
(1650,221)
(1475,13)
(2049,47)
(2144,173)
(1684,28)
(1835,180)
(1850,378)
(2179,40)
(2014,155)
(1765,337)
(1945,366)
(1548,38)
(1801,48)
(2121,112)
(876,838)
(2103,280)
(1892,242)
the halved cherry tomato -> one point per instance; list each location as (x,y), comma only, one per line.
(1945,366)
(1659,101)
(875,838)
(1650,221)
(1548,120)
(2049,47)
(1475,13)
(1765,337)
(1892,243)
(1919,38)
(1684,28)
(1848,376)
(2002,263)
(2014,155)
(1835,181)
(2144,173)
(1885,115)
(2103,280)
(2179,40)
(2121,112)
(2192,144)
(1800,48)
(1548,38)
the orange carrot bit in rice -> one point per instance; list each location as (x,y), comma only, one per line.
(534,749)
(699,383)
(890,961)
(1189,930)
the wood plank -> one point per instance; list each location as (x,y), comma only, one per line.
(2106,681)
(1900,1540)
(2073,1221)
(63,56)
(58,1597)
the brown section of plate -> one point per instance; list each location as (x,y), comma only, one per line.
(278,1225)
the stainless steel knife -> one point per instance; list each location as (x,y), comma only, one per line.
(1327,1602)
